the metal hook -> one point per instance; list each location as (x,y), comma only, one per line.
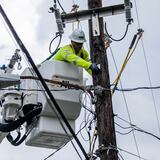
(19,67)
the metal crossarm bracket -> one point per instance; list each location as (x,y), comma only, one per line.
(95,24)
(88,14)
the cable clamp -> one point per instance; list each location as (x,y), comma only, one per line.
(102,149)
(51,10)
(74,8)
(91,156)
(140,32)
(98,90)
(107,40)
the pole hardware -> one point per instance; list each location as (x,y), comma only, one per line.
(87,14)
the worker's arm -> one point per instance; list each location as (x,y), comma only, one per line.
(76,60)
(66,54)
(85,55)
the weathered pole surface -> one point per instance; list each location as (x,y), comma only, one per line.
(104,110)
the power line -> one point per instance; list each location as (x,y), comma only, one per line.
(23,48)
(148,72)
(60,6)
(5,26)
(56,151)
(135,155)
(126,104)
(112,147)
(137,88)
(120,156)
(134,127)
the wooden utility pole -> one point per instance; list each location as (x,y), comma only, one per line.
(104,111)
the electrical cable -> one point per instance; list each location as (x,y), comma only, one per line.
(93,141)
(137,15)
(56,151)
(61,6)
(148,72)
(130,127)
(56,50)
(141,158)
(61,83)
(85,106)
(87,117)
(76,150)
(19,141)
(10,138)
(137,88)
(120,39)
(62,90)
(52,53)
(124,120)
(85,124)
(151,134)
(112,147)
(125,132)
(87,121)
(13,40)
(150,83)
(126,104)
(17,123)
(36,90)
(23,48)
(134,127)
(120,156)
(128,56)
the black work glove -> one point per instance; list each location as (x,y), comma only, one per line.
(94,68)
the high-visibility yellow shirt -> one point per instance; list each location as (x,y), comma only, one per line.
(68,54)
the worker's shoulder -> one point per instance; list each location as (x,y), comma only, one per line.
(65,48)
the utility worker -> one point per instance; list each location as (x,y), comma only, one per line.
(74,53)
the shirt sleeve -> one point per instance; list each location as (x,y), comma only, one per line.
(66,54)
(76,60)
(85,55)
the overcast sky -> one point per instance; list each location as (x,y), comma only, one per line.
(37,27)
